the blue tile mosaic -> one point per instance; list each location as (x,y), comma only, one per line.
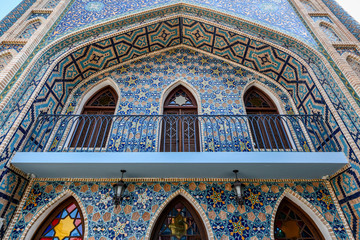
(277,14)
(142,199)
(344,17)
(14,15)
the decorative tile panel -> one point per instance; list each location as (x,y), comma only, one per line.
(330,33)
(321,18)
(29,30)
(35,15)
(282,15)
(344,17)
(14,15)
(310,104)
(143,199)
(51,4)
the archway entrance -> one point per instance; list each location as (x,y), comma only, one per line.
(267,128)
(294,224)
(180,127)
(92,129)
(179,221)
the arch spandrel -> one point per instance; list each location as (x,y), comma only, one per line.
(75,18)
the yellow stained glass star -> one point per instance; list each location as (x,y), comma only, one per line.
(64,228)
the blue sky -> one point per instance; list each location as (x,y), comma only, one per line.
(351,6)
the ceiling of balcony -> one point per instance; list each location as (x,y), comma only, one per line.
(260,165)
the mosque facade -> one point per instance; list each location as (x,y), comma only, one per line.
(179,120)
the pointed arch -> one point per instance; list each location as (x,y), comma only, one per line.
(46,210)
(180,125)
(194,204)
(322,225)
(90,129)
(186,85)
(106,82)
(268,129)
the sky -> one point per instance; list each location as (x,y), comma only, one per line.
(351,6)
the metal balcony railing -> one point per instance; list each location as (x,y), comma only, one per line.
(179,133)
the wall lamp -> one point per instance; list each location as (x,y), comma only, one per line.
(119,189)
(239,189)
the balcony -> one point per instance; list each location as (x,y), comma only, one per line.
(263,146)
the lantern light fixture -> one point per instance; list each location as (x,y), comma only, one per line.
(119,189)
(239,189)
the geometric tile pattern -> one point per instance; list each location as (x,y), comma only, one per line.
(16,47)
(14,15)
(35,15)
(329,32)
(283,16)
(331,88)
(12,187)
(29,30)
(352,25)
(321,18)
(51,4)
(142,199)
(219,85)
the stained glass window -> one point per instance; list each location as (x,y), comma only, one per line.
(179,222)
(293,224)
(64,223)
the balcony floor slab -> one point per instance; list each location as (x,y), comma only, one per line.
(261,165)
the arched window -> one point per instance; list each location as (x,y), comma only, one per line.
(180,131)
(330,33)
(4,60)
(179,221)
(293,223)
(65,222)
(29,30)
(266,125)
(91,129)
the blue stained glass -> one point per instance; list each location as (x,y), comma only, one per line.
(78,215)
(50,233)
(58,216)
(75,233)
(73,213)
(48,228)
(64,214)
(80,229)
